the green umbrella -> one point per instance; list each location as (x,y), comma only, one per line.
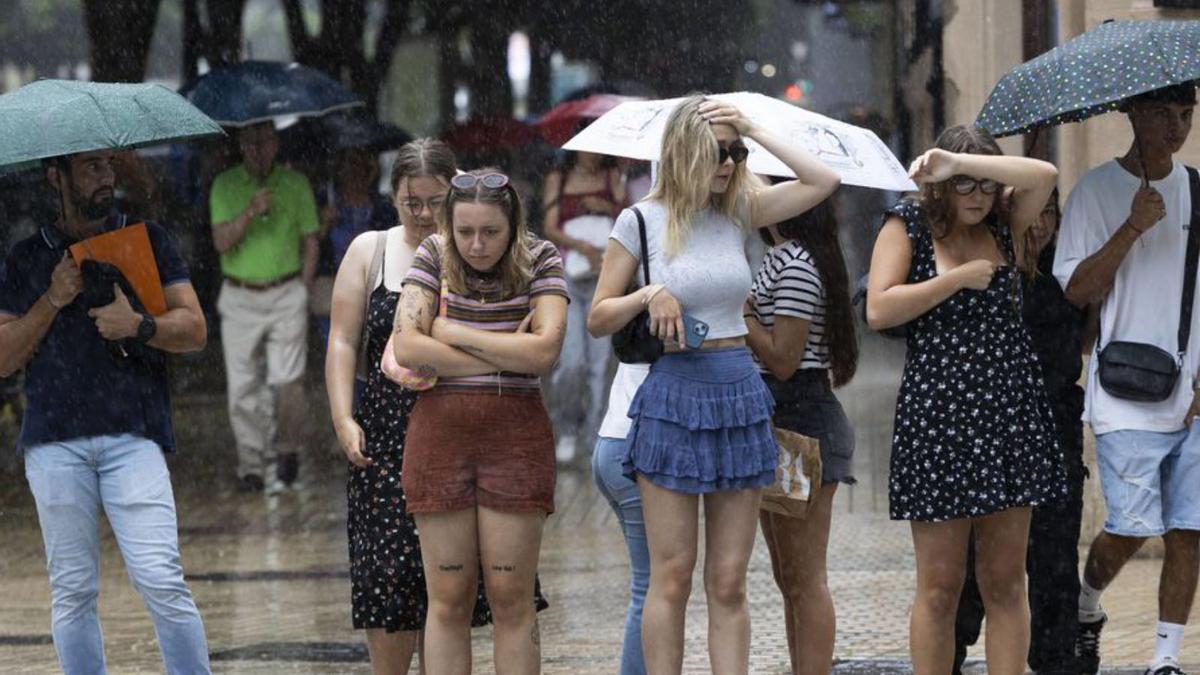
(49,118)
(1092,74)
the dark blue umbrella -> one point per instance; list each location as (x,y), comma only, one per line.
(258,91)
(1092,74)
(344,130)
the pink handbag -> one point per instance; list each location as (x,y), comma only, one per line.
(410,379)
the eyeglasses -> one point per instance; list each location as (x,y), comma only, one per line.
(965,185)
(491,181)
(738,153)
(416,206)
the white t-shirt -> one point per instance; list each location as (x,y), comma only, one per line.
(625,384)
(709,276)
(1143,305)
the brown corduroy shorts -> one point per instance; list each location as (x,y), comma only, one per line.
(465,449)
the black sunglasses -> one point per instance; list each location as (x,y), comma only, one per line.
(965,185)
(491,181)
(738,153)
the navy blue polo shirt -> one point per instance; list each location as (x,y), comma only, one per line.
(74,387)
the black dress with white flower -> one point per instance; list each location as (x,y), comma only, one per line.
(974,431)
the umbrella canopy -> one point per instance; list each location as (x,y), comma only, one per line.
(635,128)
(260,91)
(562,121)
(1092,74)
(49,118)
(343,130)
(489,133)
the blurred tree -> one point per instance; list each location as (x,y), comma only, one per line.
(120,32)
(343,46)
(212,30)
(42,35)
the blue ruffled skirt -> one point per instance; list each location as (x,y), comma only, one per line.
(702,423)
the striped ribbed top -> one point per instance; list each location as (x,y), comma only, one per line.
(485,308)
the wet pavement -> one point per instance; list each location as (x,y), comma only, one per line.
(271,578)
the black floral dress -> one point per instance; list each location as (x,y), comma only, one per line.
(974,432)
(386,578)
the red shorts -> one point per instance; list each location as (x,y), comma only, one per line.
(466,448)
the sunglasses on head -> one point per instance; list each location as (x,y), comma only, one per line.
(965,185)
(491,181)
(738,153)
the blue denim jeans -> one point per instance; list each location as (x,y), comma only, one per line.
(128,476)
(622,495)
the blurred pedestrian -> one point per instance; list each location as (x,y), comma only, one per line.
(1125,229)
(264,225)
(701,420)
(348,206)
(945,265)
(580,201)
(804,339)
(1052,562)
(479,467)
(621,492)
(97,420)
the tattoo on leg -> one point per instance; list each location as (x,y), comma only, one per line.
(450,568)
(535,634)
(504,568)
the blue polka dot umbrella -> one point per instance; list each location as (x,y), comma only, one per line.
(1092,74)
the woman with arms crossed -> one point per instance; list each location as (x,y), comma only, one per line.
(479,472)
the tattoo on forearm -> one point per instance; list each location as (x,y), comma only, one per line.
(425,370)
(450,568)
(473,350)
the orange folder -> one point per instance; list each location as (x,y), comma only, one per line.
(129,249)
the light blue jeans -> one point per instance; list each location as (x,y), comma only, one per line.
(622,495)
(128,476)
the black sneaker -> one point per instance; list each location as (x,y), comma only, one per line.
(1087,645)
(1167,669)
(251,482)
(289,467)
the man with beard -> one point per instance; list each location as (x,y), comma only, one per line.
(264,226)
(97,418)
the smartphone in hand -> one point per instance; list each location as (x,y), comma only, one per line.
(695,331)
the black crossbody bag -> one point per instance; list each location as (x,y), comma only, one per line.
(1140,372)
(634,343)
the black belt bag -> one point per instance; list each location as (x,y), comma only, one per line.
(1142,372)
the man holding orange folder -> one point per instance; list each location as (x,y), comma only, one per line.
(264,225)
(97,420)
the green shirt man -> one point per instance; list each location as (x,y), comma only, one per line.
(264,216)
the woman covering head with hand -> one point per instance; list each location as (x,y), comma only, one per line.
(701,421)
(386,578)
(479,471)
(974,443)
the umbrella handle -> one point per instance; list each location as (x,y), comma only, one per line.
(1137,141)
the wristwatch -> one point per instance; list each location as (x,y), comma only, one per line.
(146,329)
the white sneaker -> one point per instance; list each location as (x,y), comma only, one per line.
(564,451)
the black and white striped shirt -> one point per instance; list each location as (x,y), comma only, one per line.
(788,284)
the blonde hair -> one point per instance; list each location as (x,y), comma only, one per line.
(687,165)
(516,265)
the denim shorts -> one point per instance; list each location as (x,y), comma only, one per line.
(806,405)
(1151,481)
